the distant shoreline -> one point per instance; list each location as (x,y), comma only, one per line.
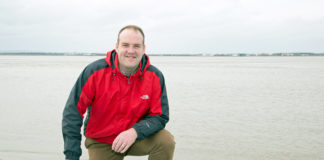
(200,55)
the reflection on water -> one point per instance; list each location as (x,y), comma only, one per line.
(221,107)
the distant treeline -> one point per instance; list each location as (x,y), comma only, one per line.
(180,54)
(52,54)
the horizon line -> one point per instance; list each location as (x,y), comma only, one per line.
(169,54)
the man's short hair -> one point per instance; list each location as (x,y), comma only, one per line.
(136,28)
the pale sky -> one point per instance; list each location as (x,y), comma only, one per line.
(171,26)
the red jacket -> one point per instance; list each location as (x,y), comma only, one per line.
(115,103)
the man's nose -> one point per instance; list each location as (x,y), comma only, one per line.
(131,49)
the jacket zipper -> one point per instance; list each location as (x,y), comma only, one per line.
(128,79)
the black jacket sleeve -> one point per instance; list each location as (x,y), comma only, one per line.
(73,120)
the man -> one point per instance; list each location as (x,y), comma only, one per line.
(126,102)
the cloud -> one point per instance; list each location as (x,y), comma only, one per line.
(170,26)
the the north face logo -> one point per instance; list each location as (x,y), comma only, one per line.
(145,97)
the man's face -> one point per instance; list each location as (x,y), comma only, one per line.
(130,49)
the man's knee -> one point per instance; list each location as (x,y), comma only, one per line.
(165,139)
(160,145)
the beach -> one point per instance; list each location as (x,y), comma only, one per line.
(234,108)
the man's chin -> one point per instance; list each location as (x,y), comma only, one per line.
(131,66)
(132,63)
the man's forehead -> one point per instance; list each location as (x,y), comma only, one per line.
(130,35)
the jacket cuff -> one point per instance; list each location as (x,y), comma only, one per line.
(72,156)
(140,136)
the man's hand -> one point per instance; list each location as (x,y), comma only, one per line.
(124,140)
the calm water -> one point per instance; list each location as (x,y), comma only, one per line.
(233,108)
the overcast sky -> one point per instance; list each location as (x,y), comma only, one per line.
(171,26)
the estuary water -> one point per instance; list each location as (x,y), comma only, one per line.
(231,108)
